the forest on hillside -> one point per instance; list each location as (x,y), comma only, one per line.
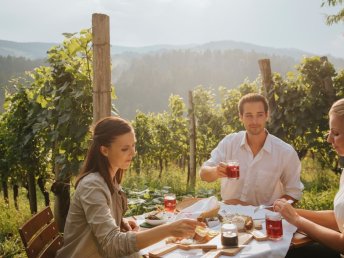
(139,78)
(11,67)
(158,75)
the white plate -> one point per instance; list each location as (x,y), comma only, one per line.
(163,219)
(155,222)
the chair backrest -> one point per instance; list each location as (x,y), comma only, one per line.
(40,235)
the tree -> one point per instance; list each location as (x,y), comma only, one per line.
(302,103)
(334,18)
(22,153)
(177,123)
(161,140)
(62,112)
(144,134)
(209,122)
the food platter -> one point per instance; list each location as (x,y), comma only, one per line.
(156,218)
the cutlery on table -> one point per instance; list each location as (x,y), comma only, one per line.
(268,206)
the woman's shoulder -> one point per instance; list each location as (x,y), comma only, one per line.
(92,184)
(92,179)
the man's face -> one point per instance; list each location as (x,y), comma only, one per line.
(254,117)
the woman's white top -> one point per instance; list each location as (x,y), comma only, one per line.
(339,204)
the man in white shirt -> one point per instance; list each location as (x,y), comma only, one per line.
(269,167)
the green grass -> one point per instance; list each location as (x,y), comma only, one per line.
(147,189)
(11,220)
(320,186)
(174,178)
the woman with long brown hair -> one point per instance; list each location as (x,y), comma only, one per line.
(95,226)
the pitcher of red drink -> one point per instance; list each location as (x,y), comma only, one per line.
(170,202)
(273,223)
(232,169)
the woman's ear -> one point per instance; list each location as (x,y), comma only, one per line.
(104,150)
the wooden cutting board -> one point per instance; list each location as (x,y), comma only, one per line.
(171,247)
(244,238)
(300,239)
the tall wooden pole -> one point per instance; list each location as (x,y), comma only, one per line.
(192,133)
(101,66)
(328,83)
(265,70)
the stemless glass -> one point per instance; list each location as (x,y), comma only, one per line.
(232,169)
(273,223)
(170,202)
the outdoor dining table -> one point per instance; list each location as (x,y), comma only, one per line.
(254,248)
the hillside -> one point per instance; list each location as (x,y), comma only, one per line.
(32,50)
(157,76)
(38,50)
(12,67)
(143,74)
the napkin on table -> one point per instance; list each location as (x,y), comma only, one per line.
(202,207)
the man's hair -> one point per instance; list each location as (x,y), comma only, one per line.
(337,108)
(252,97)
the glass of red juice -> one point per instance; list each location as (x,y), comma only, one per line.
(170,202)
(273,223)
(232,169)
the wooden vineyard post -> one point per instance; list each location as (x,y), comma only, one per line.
(265,70)
(192,133)
(101,66)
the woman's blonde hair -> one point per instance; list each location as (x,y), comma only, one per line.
(337,108)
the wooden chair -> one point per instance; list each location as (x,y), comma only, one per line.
(40,235)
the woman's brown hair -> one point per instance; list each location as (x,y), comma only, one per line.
(104,133)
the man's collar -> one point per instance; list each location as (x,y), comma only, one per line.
(267,144)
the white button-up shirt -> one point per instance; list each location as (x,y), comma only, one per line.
(273,172)
(339,204)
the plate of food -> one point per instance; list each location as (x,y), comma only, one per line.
(156,218)
(202,236)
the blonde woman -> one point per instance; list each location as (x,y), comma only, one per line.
(325,227)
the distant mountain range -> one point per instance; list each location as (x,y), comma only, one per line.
(38,50)
(143,74)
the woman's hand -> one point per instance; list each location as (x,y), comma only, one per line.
(129,225)
(184,228)
(287,211)
(133,225)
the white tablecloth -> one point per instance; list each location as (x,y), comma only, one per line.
(254,249)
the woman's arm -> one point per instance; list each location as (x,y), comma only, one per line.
(323,218)
(303,220)
(324,235)
(180,228)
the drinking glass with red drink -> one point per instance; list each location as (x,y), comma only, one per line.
(232,169)
(274,228)
(170,202)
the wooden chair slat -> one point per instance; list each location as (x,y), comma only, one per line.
(41,240)
(40,235)
(38,221)
(51,250)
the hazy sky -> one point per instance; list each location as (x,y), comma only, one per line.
(273,23)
